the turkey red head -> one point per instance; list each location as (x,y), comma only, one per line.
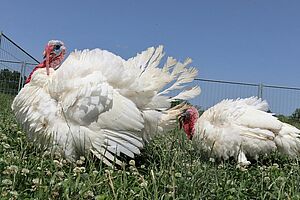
(187,121)
(54,54)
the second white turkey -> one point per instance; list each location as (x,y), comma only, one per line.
(240,129)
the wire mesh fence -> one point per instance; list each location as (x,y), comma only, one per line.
(282,100)
(16,64)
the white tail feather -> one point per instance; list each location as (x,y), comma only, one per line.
(188,94)
(186,76)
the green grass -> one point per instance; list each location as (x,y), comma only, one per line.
(169,168)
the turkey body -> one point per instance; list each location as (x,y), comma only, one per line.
(242,129)
(96,102)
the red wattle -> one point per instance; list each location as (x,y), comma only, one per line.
(41,65)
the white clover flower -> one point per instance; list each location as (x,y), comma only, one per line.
(4,193)
(52,182)
(60,174)
(13,169)
(48,173)
(144,184)
(3,137)
(82,169)
(189,173)
(88,194)
(6,182)
(57,155)
(25,171)
(132,162)
(135,173)
(280,178)
(78,170)
(5,145)
(14,193)
(229,182)
(55,194)
(82,158)
(275,165)
(46,154)
(132,168)
(267,179)
(95,172)
(178,175)
(58,163)
(220,166)
(79,162)
(36,181)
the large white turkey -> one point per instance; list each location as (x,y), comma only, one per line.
(240,128)
(97,102)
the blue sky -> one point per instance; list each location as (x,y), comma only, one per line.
(236,40)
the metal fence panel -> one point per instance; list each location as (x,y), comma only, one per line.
(282,100)
(15,64)
(213,91)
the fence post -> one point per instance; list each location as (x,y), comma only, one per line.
(0,38)
(23,74)
(21,77)
(260,90)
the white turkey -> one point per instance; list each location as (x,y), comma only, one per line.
(241,129)
(96,102)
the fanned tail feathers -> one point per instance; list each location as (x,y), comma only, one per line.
(152,78)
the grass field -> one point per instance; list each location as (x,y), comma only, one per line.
(170,167)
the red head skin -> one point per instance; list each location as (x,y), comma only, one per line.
(52,59)
(190,118)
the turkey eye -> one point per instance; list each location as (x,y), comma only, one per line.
(56,47)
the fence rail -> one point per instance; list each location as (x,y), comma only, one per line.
(16,64)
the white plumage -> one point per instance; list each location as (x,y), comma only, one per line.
(98,102)
(241,129)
